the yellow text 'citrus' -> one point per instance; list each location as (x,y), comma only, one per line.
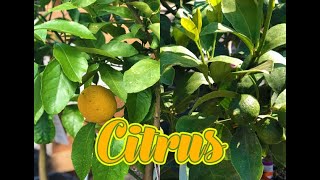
(148,144)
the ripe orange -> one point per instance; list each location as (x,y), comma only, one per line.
(97,104)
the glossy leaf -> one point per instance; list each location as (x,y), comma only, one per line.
(63,7)
(37,103)
(155,28)
(194,123)
(73,62)
(276,36)
(95,27)
(72,120)
(168,76)
(197,19)
(189,84)
(143,7)
(56,89)
(279,152)
(215,27)
(191,29)
(95,51)
(83,149)
(120,11)
(117,48)
(178,49)
(244,21)
(138,105)
(41,34)
(65,26)
(141,75)
(212,95)
(103,172)
(169,59)
(44,130)
(277,78)
(221,171)
(264,67)
(82,3)
(114,79)
(222,66)
(246,154)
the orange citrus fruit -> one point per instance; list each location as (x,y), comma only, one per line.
(97,104)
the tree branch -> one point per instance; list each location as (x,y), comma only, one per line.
(42,163)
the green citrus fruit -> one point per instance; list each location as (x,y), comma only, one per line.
(270,131)
(244,109)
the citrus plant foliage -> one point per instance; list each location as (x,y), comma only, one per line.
(219,63)
(81,56)
(223,65)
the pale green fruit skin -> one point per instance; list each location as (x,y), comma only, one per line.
(244,109)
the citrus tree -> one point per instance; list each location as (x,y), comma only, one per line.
(223,65)
(80,57)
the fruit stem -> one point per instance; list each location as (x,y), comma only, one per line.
(214,44)
(42,163)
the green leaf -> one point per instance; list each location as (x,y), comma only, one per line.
(103,172)
(246,154)
(276,36)
(279,152)
(95,27)
(37,103)
(114,79)
(280,101)
(155,28)
(178,50)
(247,22)
(82,3)
(215,27)
(272,55)
(95,51)
(35,69)
(143,7)
(120,11)
(224,134)
(56,89)
(197,19)
(212,95)
(264,67)
(73,62)
(191,29)
(169,59)
(72,120)
(189,84)
(221,171)
(62,7)
(138,105)
(82,150)
(214,2)
(222,66)
(88,77)
(44,130)
(141,75)
(168,76)
(194,123)
(277,78)
(65,26)
(41,34)
(117,48)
